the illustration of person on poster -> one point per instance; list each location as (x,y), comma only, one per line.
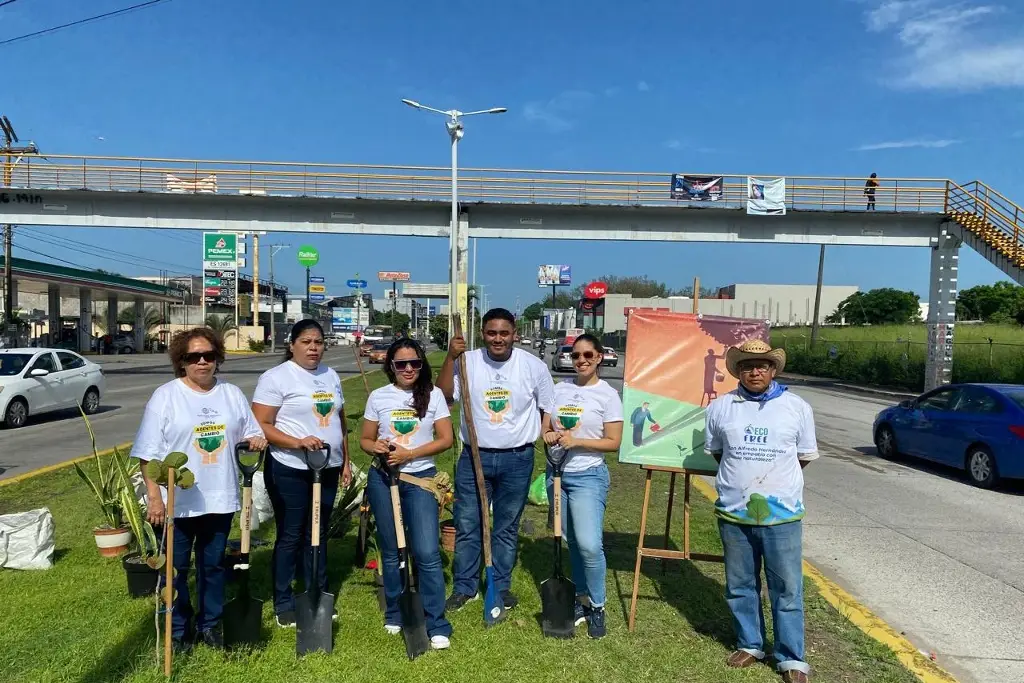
(638,419)
(711,375)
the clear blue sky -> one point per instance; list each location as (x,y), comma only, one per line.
(844,87)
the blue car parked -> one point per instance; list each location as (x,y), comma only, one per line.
(978,428)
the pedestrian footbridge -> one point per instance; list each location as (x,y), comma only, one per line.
(128,192)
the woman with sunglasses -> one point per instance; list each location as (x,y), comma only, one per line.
(203,417)
(406,424)
(301,408)
(585,421)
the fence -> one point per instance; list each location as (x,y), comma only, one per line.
(900,362)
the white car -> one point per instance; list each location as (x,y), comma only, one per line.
(35,381)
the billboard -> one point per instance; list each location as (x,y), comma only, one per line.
(220,268)
(349,319)
(675,367)
(699,188)
(392,276)
(220,250)
(766,197)
(550,276)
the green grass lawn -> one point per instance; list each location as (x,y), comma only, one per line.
(75,623)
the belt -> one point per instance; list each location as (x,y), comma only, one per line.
(503,450)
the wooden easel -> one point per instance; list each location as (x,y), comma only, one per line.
(664,553)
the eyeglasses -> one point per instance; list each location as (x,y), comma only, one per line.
(755,367)
(196,356)
(414,364)
(588,355)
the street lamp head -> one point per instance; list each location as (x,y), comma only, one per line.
(497,110)
(412,103)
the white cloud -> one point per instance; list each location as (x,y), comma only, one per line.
(906,144)
(611,92)
(642,86)
(557,113)
(950,45)
(674,144)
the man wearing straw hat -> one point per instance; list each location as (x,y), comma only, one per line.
(762,436)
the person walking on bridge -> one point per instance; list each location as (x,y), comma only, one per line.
(762,436)
(509,389)
(869,190)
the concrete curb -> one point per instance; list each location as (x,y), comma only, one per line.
(827,383)
(860,616)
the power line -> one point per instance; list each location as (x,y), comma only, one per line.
(54,258)
(90,249)
(79,22)
(7,2)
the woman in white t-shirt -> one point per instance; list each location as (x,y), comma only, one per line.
(407,423)
(204,418)
(585,422)
(301,408)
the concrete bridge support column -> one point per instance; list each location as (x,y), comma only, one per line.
(942,292)
(53,313)
(112,315)
(140,325)
(84,320)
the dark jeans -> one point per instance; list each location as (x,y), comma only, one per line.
(507,478)
(420,516)
(291,494)
(208,535)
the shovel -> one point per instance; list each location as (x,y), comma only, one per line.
(558,594)
(314,608)
(243,616)
(414,625)
(494,608)
(169,592)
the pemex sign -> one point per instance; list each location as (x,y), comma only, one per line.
(220,250)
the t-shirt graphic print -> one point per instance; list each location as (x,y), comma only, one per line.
(210,440)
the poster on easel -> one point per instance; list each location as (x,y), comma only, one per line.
(675,367)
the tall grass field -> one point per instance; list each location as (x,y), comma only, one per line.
(895,355)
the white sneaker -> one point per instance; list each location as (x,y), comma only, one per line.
(392,629)
(440,642)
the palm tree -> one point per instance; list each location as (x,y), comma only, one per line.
(151,317)
(221,325)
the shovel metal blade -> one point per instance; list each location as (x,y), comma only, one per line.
(558,601)
(314,623)
(243,621)
(494,606)
(414,625)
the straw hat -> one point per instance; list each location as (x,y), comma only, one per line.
(754,349)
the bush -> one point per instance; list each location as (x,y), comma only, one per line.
(257,346)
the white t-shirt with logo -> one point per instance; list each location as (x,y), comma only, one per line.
(759,480)
(205,426)
(391,408)
(308,402)
(584,412)
(506,397)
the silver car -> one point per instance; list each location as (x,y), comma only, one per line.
(562,360)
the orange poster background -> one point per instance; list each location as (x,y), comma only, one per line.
(681,356)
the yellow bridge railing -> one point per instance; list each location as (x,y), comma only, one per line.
(432,183)
(989,214)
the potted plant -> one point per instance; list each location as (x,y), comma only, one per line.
(108,485)
(142,565)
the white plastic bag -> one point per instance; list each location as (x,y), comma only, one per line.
(27,540)
(262,508)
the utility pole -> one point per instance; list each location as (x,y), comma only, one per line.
(9,150)
(274,248)
(817,296)
(255,279)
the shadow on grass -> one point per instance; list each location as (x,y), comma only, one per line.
(697,597)
(120,659)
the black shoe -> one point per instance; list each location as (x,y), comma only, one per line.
(581,614)
(286,619)
(509,600)
(595,623)
(457,601)
(180,646)
(211,638)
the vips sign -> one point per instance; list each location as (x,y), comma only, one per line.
(595,290)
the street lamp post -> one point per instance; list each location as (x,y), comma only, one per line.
(455,132)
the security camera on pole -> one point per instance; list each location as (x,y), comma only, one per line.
(455,132)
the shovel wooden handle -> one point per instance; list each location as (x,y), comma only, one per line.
(396,510)
(246,522)
(169,574)
(359,362)
(557,491)
(314,533)
(474,447)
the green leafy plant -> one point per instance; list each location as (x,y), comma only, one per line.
(108,483)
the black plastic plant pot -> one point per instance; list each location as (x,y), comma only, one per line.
(142,579)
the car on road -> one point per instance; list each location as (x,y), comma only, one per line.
(611,358)
(378,352)
(978,428)
(365,347)
(36,381)
(561,361)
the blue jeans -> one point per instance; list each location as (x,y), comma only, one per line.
(420,514)
(291,494)
(507,478)
(584,498)
(779,548)
(208,535)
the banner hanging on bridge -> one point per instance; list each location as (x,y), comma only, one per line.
(766,197)
(675,367)
(698,188)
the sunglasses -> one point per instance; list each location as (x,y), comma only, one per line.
(588,355)
(414,364)
(196,356)
(756,367)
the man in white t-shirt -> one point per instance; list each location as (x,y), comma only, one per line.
(762,436)
(509,388)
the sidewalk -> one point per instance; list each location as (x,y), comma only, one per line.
(895,395)
(131,361)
